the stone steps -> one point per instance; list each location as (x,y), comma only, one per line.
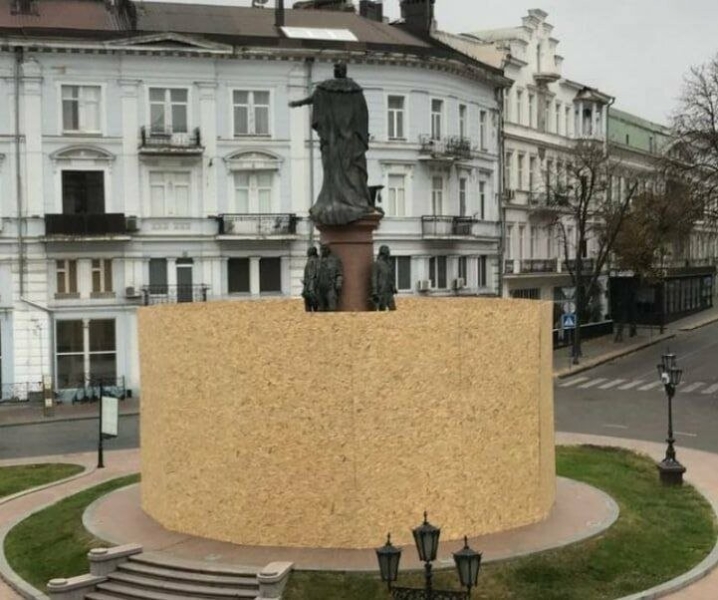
(153,577)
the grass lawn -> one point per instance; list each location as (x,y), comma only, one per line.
(53,542)
(23,477)
(661,533)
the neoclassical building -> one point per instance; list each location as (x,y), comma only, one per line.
(148,155)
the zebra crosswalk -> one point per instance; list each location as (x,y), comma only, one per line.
(638,385)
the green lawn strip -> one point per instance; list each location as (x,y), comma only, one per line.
(53,542)
(23,477)
(661,533)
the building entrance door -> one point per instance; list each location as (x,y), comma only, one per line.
(184,280)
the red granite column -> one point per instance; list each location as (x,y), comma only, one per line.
(354,245)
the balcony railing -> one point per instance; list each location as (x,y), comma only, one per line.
(450,226)
(531,265)
(169,294)
(446,148)
(86,225)
(258,225)
(587,264)
(509,266)
(167,142)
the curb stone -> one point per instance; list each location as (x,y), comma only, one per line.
(63,420)
(86,471)
(595,362)
(700,324)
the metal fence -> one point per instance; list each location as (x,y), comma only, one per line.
(21,392)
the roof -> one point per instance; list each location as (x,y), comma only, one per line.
(499,35)
(632,119)
(487,53)
(63,14)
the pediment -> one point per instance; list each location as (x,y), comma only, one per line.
(253,161)
(169,41)
(83,153)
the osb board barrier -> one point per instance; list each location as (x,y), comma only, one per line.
(264,425)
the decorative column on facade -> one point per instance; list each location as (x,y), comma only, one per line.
(31,126)
(299,151)
(130,131)
(208,133)
(254,275)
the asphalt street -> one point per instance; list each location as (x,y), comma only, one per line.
(632,402)
(623,398)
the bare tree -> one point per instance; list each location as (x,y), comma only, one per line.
(586,208)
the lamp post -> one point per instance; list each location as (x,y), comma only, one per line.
(671,471)
(426,538)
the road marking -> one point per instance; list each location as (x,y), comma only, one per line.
(590,384)
(633,384)
(609,425)
(574,381)
(610,384)
(711,389)
(692,388)
(650,386)
(690,435)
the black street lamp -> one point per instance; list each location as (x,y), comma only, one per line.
(426,538)
(671,471)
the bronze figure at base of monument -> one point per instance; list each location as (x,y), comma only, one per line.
(354,245)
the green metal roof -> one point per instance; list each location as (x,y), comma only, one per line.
(636,133)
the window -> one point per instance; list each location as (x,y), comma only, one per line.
(437,196)
(520,182)
(437,272)
(396,205)
(101,275)
(532,173)
(66,271)
(549,175)
(462,121)
(522,231)
(81,108)
(567,121)
(527,294)
(158,276)
(168,110)
(86,351)
(482,129)
(169,194)
(482,200)
(462,196)
(509,242)
(482,271)
(251,113)
(557,118)
(462,270)
(270,275)
(437,110)
(628,140)
(532,110)
(402,272)
(396,118)
(509,170)
(253,191)
(238,276)
(519,107)
(83,192)
(533,233)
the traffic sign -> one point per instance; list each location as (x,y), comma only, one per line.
(568,321)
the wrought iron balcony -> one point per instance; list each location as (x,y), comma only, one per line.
(449,148)
(85,225)
(258,225)
(169,294)
(587,265)
(433,226)
(167,142)
(509,266)
(539,265)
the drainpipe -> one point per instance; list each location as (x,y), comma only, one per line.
(310,85)
(51,334)
(18,171)
(502,209)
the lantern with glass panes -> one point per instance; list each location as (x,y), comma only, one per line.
(671,471)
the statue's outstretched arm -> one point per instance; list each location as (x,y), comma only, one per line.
(304,102)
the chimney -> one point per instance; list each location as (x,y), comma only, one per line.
(279,14)
(374,11)
(418,15)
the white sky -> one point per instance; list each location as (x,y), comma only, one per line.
(635,50)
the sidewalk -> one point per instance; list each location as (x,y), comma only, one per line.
(25,413)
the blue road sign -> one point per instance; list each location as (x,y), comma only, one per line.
(568,321)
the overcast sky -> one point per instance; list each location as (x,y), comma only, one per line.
(635,50)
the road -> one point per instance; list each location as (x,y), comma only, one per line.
(622,399)
(64,437)
(632,402)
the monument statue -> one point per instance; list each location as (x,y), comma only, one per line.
(330,278)
(309,283)
(383,287)
(341,119)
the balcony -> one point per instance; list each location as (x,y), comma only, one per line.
(170,294)
(588,265)
(161,143)
(258,226)
(86,225)
(446,149)
(531,266)
(446,227)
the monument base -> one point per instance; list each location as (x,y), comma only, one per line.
(354,245)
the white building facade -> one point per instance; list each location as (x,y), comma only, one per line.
(168,167)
